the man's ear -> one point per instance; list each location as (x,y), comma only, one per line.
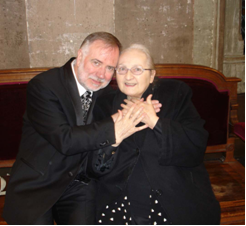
(79,56)
(152,75)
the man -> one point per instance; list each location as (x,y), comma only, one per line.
(48,180)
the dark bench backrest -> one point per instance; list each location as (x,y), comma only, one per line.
(13,104)
(214,96)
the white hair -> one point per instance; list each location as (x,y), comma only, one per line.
(143,49)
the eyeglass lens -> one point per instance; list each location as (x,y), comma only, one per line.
(136,70)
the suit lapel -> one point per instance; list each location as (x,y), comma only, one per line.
(94,97)
(73,92)
(89,113)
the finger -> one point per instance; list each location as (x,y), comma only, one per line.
(139,128)
(155,102)
(128,114)
(137,113)
(139,119)
(124,106)
(124,111)
(149,99)
(115,117)
(157,107)
(128,101)
(119,115)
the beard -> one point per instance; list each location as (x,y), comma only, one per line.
(80,73)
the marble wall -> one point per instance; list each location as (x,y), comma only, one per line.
(47,33)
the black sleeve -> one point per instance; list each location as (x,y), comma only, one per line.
(49,119)
(181,137)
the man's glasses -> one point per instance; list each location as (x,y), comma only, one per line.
(136,70)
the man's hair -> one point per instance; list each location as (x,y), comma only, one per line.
(106,37)
(143,49)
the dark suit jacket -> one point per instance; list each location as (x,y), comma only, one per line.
(54,144)
(171,155)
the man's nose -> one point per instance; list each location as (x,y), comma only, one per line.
(101,72)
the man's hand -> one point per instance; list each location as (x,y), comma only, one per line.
(125,126)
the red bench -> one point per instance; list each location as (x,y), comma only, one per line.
(215,97)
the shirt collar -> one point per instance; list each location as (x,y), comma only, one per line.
(81,89)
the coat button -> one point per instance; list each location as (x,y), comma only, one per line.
(70,174)
(137,150)
(159,192)
(104,143)
(50,163)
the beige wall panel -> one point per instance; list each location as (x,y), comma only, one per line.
(234,60)
(236,70)
(233,43)
(165,27)
(56,28)
(205,25)
(13,37)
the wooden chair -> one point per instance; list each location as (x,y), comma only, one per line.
(239,130)
(215,97)
(13,103)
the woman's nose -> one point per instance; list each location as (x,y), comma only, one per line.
(128,75)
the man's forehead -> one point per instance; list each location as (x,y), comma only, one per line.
(102,46)
(101,51)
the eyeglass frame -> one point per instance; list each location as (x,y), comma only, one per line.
(129,69)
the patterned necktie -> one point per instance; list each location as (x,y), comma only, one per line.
(86,100)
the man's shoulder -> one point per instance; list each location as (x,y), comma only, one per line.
(53,73)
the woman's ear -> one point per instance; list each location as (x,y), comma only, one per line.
(152,75)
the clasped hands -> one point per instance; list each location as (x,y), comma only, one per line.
(135,111)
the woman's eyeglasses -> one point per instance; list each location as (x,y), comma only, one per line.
(136,70)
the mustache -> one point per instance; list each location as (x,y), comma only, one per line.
(96,78)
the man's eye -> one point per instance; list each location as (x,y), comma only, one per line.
(110,68)
(95,63)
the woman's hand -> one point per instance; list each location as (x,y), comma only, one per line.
(156,105)
(151,107)
(150,117)
(125,126)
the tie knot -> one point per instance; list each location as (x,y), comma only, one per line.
(86,95)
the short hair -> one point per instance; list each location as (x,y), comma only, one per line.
(143,49)
(106,37)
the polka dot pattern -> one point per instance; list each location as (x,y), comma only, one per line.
(119,212)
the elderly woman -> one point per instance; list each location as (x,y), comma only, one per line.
(157,175)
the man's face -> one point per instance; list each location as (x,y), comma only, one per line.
(95,66)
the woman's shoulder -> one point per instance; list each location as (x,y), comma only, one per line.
(169,85)
(107,97)
(103,105)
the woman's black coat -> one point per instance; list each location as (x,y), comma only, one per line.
(171,154)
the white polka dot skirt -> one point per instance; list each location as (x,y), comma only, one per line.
(118,213)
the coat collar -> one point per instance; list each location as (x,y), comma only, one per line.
(120,97)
